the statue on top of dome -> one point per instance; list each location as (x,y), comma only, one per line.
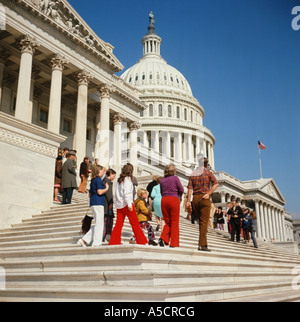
(151,18)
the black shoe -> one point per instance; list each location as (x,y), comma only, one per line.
(161,243)
(152,242)
(204,249)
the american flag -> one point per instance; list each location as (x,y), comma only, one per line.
(261,146)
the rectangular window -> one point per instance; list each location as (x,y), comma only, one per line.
(43,116)
(67,125)
(89,134)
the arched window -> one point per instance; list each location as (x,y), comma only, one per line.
(169,111)
(151,110)
(178,112)
(160,110)
(185,114)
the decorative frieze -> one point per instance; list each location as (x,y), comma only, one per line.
(27,143)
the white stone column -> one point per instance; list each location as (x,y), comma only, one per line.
(187,143)
(118,120)
(23,108)
(154,154)
(190,149)
(283,225)
(178,148)
(102,143)
(262,221)
(134,127)
(277,224)
(145,140)
(57,64)
(209,152)
(198,146)
(213,157)
(273,223)
(266,222)
(270,222)
(79,143)
(155,140)
(223,195)
(167,149)
(258,216)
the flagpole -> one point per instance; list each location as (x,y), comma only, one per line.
(260,164)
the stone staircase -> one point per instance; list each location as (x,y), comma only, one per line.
(43,263)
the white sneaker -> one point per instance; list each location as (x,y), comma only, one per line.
(81,243)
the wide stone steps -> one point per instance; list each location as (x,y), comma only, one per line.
(44,263)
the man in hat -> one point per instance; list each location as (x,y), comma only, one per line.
(69,178)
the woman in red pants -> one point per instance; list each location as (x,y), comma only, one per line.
(171,191)
(125,207)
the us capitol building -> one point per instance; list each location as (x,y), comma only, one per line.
(58,87)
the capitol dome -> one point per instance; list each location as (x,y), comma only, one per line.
(152,71)
(172,123)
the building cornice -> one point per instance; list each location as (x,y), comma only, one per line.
(77,30)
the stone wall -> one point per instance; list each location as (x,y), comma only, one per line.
(27,163)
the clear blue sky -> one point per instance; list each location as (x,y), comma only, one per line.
(242,60)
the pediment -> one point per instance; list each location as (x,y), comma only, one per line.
(67,20)
(270,188)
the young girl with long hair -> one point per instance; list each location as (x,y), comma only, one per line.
(125,207)
(97,202)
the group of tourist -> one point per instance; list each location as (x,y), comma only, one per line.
(162,198)
(240,221)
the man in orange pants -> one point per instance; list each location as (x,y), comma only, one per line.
(202,184)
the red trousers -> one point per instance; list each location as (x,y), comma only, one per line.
(170,207)
(115,238)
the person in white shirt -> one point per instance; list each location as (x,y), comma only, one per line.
(125,207)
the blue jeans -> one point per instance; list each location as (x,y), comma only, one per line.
(254,238)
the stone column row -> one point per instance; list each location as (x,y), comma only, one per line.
(183,150)
(270,222)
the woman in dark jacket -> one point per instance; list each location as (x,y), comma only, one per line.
(253,227)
